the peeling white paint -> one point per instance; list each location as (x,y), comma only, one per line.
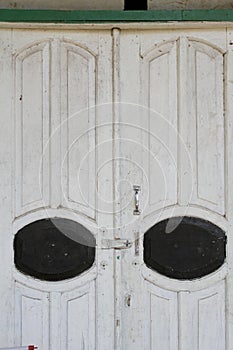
(64,5)
(189,4)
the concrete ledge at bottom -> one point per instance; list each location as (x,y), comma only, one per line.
(189,4)
(64,5)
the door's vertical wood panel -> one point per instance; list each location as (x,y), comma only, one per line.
(6,184)
(128,166)
(202,318)
(32,127)
(128,120)
(159,86)
(105,281)
(229,206)
(162,319)
(55,321)
(55,124)
(31,317)
(78,318)
(204,134)
(212,322)
(78,69)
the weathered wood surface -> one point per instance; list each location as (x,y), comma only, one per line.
(115,4)
(172,135)
(64,5)
(189,4)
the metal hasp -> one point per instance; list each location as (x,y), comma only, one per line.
(137,189)
(116,244)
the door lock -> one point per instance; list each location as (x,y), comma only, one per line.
(137,189)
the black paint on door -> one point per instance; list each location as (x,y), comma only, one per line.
(184,248)
(131,5)
(54,249)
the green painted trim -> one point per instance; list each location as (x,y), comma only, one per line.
(54,16)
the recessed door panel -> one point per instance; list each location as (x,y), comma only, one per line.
(31,316)
(78,130)
(203,318)
(205,127)
(159,89)
(32,95)
(78,319)
(162,319)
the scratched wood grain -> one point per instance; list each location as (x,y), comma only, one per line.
(189,4)
(64,5)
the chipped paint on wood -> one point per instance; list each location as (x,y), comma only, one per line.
(189,4)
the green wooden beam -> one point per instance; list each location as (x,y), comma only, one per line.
(56,16)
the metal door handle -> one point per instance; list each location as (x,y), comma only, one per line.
(137,189)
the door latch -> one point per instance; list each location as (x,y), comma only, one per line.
(116,244)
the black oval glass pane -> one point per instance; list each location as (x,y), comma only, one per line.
(54,249)
(184,248)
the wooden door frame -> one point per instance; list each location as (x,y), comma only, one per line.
(97,16)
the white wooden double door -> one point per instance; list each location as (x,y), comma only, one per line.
(86,113)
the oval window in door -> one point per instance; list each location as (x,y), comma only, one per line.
(184,248)
(54,249)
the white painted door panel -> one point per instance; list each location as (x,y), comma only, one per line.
(6,150)
(87,114)
(176,130)
(161,310)
(31,308)
(202,318)
(56,124)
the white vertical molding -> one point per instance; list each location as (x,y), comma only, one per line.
(55,321)
(92,317)
(116,169)
(229,186)
(64,125)
(184,171)
(116,122)
(45,161)
(92,71)
(187,326)
(145,139)
(104,194)
(147,317)
(55,125)
(6,188)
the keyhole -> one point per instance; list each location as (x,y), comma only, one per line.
(128,300)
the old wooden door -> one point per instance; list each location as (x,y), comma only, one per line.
(174,140)
(87,114)
(56,164)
